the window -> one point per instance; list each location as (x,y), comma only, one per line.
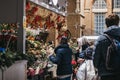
(99,23)
(99,4)
(116,4)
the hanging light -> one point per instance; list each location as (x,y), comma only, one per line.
(55,2)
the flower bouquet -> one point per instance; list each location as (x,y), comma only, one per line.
(8,47)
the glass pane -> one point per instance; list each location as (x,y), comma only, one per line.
(116,3)
(99,4)
(99,23)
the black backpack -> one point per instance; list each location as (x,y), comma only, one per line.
(113,55)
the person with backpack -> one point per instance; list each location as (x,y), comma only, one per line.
(107,52)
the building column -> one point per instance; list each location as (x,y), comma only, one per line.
(82,7)
(110,6)
(77,6)
(21,29)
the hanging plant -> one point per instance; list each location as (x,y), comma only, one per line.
(27,6)
(59,26)
(34,9)
(48,22)
(58,19)
(52,23)
(64,33)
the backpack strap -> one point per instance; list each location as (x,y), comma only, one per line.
(108,54)
(108,37)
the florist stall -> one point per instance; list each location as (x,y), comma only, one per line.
(43,29)
(25,36)
(12,64)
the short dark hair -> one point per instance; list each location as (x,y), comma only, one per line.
(112,19)
(64,40)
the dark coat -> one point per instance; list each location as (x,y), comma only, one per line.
(63,59)
(87,54)
(100,52)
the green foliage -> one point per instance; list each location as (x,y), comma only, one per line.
(6,59)
(9,57)
(29,57)
(8,41)
(73,46)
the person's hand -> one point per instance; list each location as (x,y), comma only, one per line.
(50,51)
(80,60)
(77,49)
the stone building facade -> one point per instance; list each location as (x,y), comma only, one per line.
(92,14)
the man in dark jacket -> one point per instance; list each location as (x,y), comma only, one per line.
(113,30)
(63,60)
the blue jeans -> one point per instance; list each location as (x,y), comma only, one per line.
(67,78)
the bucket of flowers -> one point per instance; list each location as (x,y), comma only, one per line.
(8,40)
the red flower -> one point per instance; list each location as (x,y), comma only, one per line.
(52,23)
(34,9)
(59,36)
(41,71)
(27,6)
(36,19)
(50,14)
(73,62)
(63,21)
(58,19)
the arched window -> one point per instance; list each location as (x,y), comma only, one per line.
(99,4)
(99,9)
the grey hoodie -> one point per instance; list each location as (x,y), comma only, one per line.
(114,31)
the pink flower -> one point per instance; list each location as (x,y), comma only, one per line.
(31,72)
(73,62)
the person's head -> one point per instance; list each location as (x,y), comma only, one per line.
(82,41)
(111,20)
(64,40)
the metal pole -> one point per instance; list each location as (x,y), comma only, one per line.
(2,74)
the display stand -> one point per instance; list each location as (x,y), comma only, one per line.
(12,12)
(15,72)
(1,74)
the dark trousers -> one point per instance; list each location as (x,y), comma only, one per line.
(67,78)
(111,77)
